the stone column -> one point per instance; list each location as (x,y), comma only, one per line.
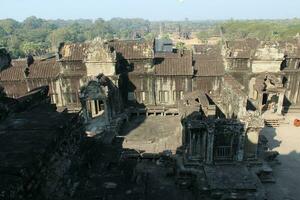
(190,143)
(210,147)
(280,103)
(241,149)
(203,145)
(259,100)
(85,112)
(242,107)
(107,112)
(93,108)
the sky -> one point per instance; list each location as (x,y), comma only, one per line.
(154,10)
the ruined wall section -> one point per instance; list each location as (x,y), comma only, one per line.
(267,58)
(170,89)
(247,59)
(209,68)
(208,84)
(237,59)
(100,58)
(233,101)
(293,86)
(72,74)
(38,150)
(253,127)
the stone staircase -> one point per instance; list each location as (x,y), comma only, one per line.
(275,121)
(272,122)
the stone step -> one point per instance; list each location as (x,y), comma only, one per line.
(272,122)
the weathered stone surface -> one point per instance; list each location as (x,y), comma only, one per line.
(153,134)
(33,140)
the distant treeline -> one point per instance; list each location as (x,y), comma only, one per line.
(38,36)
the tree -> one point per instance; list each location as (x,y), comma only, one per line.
(58,36)
(3,36)
(32,48)
(202,36)
(32,23)
(180,46)
(165,36)
(39,35)
(9,25)
(101,29)
(2,32)
(150,36)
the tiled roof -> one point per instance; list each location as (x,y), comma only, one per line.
(208,60)
(230,81)
(291,48)
(73,52)
(39,69)
(205,67)
(179,63)
(242,48)
(250,48)
(133,49)
(198,97)
(204,49)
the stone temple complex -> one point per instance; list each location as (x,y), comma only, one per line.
(139,119)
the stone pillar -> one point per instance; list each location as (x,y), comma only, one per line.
(259,100)
(85,112)
(27,85)
(210,147)
(241,149)
(242,107)
(190,142)
(203,145)
(280,103)
(107,112)
(251,143)
(93,108)
(59,92)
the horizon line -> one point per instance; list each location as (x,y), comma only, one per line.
(154,20)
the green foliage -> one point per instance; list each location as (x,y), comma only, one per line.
(38,36)
(261,29)
(180,46)
(203,36)
(33,48)
(165,37)
(125,28)
(32,23)
(150,36)
(9,25)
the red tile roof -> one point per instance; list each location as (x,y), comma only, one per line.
(133,49)
(170,63)
(242,48)
(73,52)
(39,69)
(208,60)
(231,82)
(291,47)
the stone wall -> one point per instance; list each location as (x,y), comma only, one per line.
(259,66)
(233,101)
(37,151)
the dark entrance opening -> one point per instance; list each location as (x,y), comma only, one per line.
(223,148)
(265,99)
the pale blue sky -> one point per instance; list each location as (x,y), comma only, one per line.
(151,9)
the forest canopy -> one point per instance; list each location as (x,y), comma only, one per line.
(39,36)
